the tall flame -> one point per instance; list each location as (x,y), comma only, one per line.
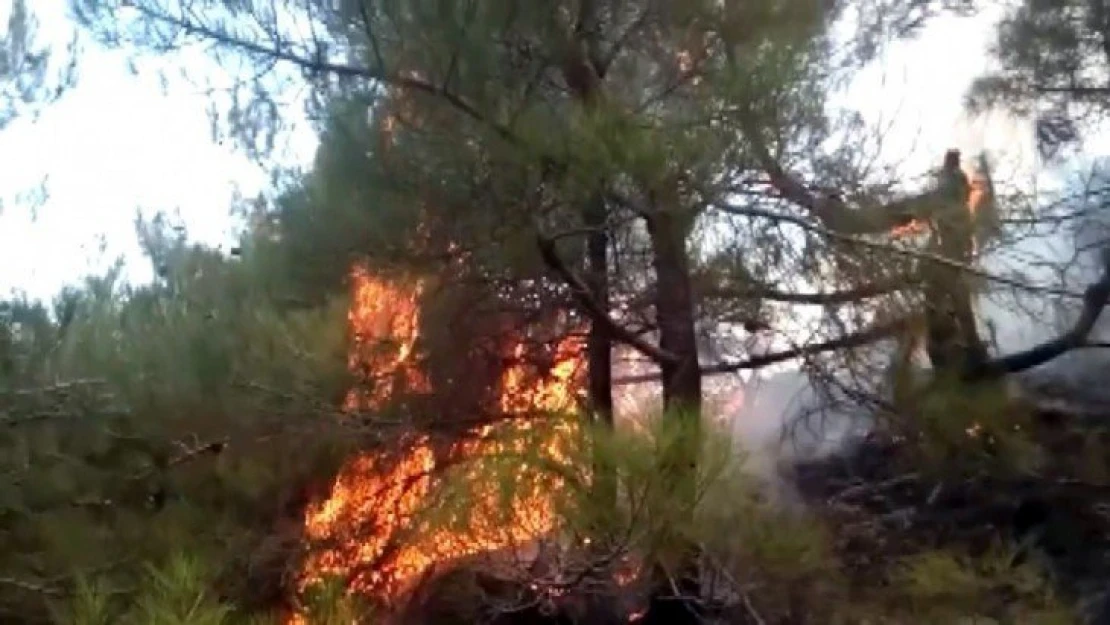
(371,524)
(384,322)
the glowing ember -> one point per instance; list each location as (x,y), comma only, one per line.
(914,227)
(373,526)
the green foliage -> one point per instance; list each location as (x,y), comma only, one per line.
(966,429)
(179,592)
(453,135)
(90,604)
(946,587)
(198,332)
(145,422)
(782,563)
(109,446)
(28,81)
(1052,59)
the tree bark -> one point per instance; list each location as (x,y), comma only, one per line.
(675,595)
(583,76)
(599,351)
(675,315)
(952,334)
(599,341)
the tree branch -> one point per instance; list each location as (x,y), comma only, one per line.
(1075,90)
(832,211)
(895,249)
(1095,298)
(826,298)
(618,45)
(596,313)
(317,64)
(858,339)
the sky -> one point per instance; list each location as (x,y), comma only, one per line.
(117,144)
(114,145)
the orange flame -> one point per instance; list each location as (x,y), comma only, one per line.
(384,320)
(977,199)
(372,524)
(914,227)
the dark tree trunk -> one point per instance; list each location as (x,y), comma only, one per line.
(584,75)
(599,343)
(599,351)
(674,313)
(952,333)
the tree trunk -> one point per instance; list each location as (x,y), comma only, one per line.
(583,76)
(599,353)
(674,315)
(599,342)
(952,333)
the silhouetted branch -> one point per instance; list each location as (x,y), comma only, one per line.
(830,209)
(1095,299)
(317,65)
(757,291)
(596,313)
(858,339)
(896,250)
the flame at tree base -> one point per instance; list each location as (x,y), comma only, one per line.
(388,522)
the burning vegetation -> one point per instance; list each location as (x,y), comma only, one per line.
(388,521)
(384,321)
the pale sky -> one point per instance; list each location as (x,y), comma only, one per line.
(116,144)
(113,145)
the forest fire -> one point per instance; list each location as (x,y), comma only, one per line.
(380,529)
(979,194)
(384,322)
(393,518)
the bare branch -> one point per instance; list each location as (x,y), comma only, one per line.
(1095,299)
(830,209)
(858,339)
(598,315)
(897,250)
(318,65)
(757,291)
(621,41)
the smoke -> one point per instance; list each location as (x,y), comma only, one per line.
(782,417)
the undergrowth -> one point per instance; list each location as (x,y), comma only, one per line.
(160,445)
